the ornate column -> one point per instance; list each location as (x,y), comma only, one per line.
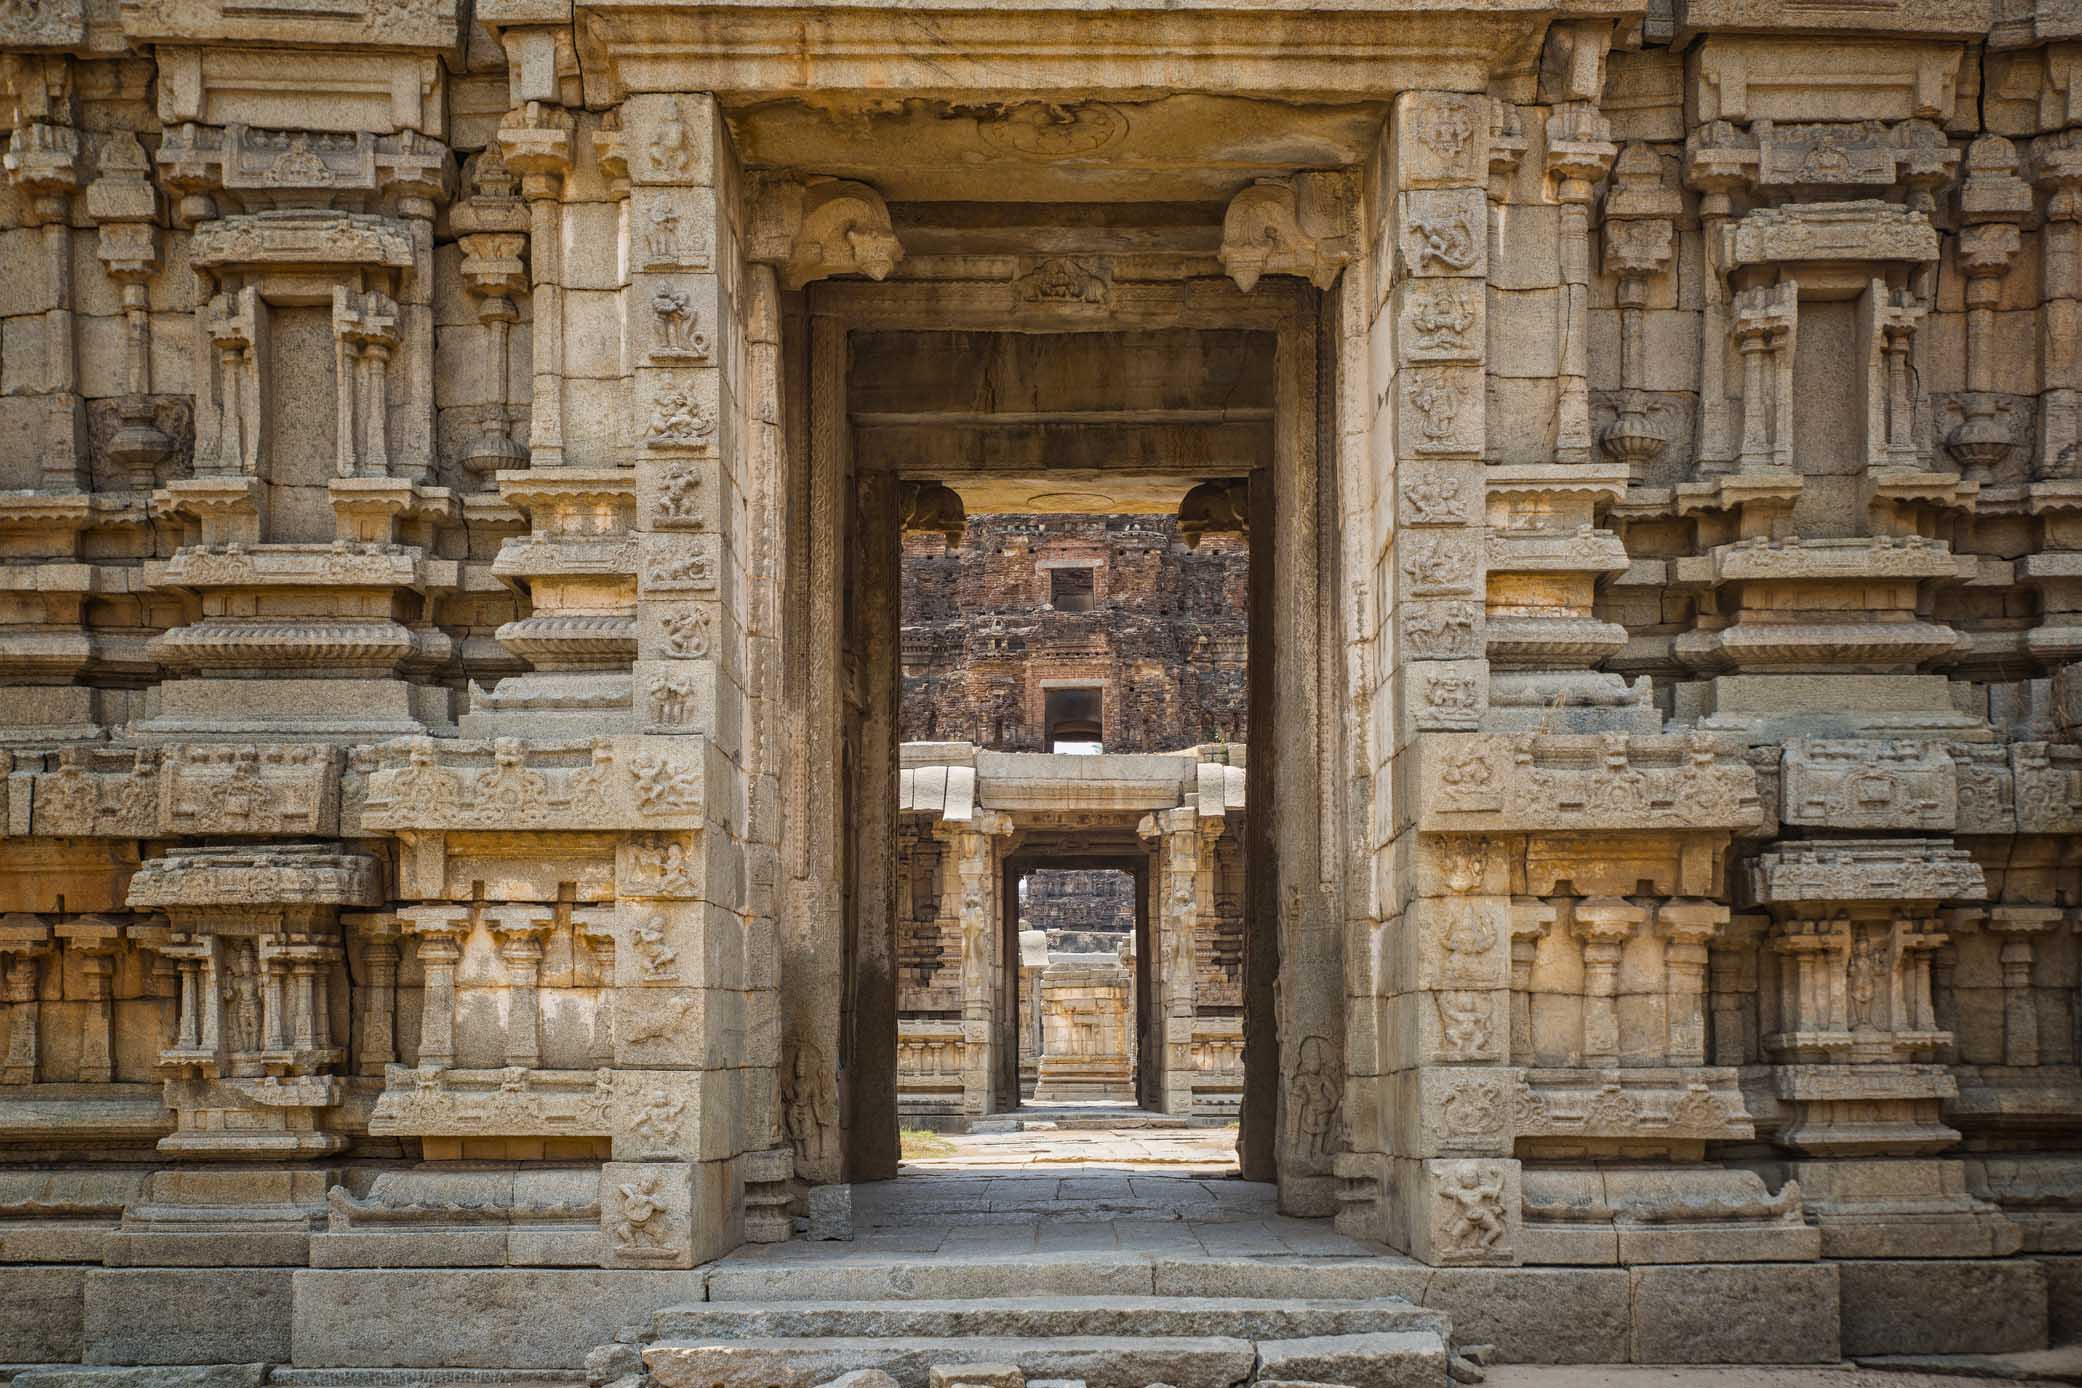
(1603,925)
(520,930)
(491,227)
(1640,221)
(595,926)
(438,931)
(2018,928)
(536,141)
(24,941)
(95,942)
(42,161)
(1688,928)
(1185,890)
(1993,203)
(379,934)
(974,884)
(1579,154)
(1532,918)
(124,204)
(2055,489)
(1732,973)
(2057,170)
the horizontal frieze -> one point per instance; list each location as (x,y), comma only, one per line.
(611,783)
(1533,781)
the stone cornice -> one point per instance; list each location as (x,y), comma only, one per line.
(1042,49)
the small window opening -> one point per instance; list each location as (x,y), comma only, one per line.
(1070,590)
(1075,721)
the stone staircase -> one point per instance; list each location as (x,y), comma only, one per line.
(1109,1341)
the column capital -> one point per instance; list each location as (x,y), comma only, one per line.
(536,141)
(1691,920)
(1606,920)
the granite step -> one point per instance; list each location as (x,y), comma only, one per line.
(1400,1359)
(1046,1316)
(864,1277)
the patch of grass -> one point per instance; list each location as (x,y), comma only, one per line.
(917,1142)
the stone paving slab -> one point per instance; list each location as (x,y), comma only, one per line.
(1100,1361)
(1248,1318)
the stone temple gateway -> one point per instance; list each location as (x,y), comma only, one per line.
(454,468)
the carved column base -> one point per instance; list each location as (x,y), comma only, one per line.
(1907,1208)
(223,1217)
(362,709)
(769,1180)
(1592,1214)
(553,704)
(257,1119)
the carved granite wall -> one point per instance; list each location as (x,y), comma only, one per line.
(433,726)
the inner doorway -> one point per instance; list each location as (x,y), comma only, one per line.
(1077,740)
(1196,419)
(1078,984)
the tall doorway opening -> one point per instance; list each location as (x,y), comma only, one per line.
(1063,562)
(1080,984)
(1074,718)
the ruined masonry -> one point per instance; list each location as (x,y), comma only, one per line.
(455,473)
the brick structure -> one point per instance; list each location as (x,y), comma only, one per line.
(1110,618)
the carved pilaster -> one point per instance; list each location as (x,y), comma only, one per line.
(1579,154)
(1640,220)
(95,942)
(1688,928)
(520,930)
(25,941)
(1603,925)
(536,141)
(379,936)
(438,932)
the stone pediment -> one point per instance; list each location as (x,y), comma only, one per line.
(1026,49)
(1862,870)
(200,788)
(262,164)
(1868,783)
(283,875)
(1823,155)
(1850,558)
(512,1100)
(303,238)
(1889,17)
(382,24)
(1830,231)
(338,565)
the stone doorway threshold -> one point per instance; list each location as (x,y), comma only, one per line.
(1094,1228)
(1079,1139)
(1094,1115)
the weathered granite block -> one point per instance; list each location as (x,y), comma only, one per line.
(187,1316)
(1761,1313)
(1964,1306)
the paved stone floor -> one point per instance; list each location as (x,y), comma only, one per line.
(1128,1190)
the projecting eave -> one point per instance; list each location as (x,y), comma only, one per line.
(1335,50)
